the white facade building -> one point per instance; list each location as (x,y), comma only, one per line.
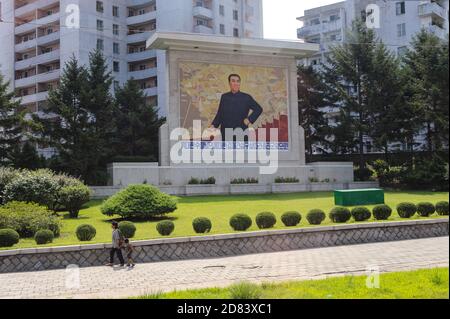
(39,36)
(398,22)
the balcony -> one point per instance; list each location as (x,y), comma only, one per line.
(203,29)
(143,74)
(139,37)
(203,12)
(151,91)
(45,39)
(28,99)
(39,59)
(437,31)
(33,5)
(139,56)
(316,29)
(140,19)
(43,77)
(139,3)
(30,26)
(432,9)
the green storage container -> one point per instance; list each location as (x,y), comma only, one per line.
(357,197)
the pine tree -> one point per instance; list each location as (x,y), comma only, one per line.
(351,77)
(427,68)
(67,124)
(10,122)
(311,103)
(101,105)
(137,123)
(26,156)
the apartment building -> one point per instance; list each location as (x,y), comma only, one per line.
(398,21)
(39,36)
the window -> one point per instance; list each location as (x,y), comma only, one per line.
(334,17)
(116,85)
(100,45)
(115,11)
(401,30)
(400,8)
(100,6)
(222,10)
(116,66)
(235,15)
(401,51)
(115,29)
(116,49)
(236,32)
(222,29)
(100,25)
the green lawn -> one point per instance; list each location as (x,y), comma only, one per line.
(219,209)
(419,284)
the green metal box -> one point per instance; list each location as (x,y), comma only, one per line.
(356,197)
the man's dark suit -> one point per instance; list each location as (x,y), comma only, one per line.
(234,108)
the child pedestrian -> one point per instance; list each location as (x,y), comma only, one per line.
(129,251)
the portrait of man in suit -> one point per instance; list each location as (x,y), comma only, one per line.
(236,109)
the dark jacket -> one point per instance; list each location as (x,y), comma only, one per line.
(234,109)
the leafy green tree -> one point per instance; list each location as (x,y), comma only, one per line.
(137,123)
(10,122)
(426,65)
(311,104)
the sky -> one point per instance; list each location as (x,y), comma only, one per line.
(280,16)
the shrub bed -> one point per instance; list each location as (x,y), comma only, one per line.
(128,229)
(86,232)
(316,216)
(202,225)
(8,237)
(291,219)
(26,219)
(382,212)
(266,220)
(43,237)
(140,202)
(442,208)
(425,209)
(361,214)
(406,210)
(240,222)
(340,215)
(165,228)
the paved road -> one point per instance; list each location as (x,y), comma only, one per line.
(104,282)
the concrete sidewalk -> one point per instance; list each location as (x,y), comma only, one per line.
(104,282)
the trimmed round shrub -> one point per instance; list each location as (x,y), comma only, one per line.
(8,237)
(43,237)
(316,216)
(425,209)
(266,220)
(382,212)
(442,208)
(128,229)
(72,198)
(240,222)
(85,232)
(291,219)
(361,214)
(406,210)
(340,215)
(27,219)
(202,225)
(165,228)
(140,202)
